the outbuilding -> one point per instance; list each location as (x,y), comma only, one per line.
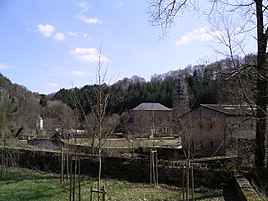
(214,129)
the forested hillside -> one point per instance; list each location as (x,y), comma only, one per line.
(218,82)
(224,81)
(19,108)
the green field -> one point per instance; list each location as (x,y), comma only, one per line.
(28,185)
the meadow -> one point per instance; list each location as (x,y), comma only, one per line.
(25,185)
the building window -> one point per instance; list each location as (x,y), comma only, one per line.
(193,145)
(168,118)
(211,144)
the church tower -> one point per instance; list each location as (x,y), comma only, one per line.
(180,102)
(180,96)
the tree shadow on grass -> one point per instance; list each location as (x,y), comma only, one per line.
(226,192)
(36,194)
(24,174)
(31,188)
(229,192)
(14,177)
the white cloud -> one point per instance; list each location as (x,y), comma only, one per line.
(79,73)
(199,34)
(77,34)
(59,36)
(70,33)
(46,29)
(88,20)
(86,36)
(90,55)
(5,66)
(51,85)
(83,6)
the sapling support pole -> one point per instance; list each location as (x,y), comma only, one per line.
(79,179)
(187,176)
(102,191)
(74,175)
(192,180)
(75,168)
(153,167)
(64,164)
(183,183)
(3,162)
(71,181)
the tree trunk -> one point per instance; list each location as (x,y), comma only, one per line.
(261,96)
(99,174)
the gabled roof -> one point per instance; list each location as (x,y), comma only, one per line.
(151,106)
(230,109)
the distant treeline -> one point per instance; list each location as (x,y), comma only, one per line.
(218,82)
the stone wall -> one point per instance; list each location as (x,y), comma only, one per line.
(130,169)
(245,191)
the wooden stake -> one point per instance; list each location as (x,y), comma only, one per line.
(62,166)
(192,175)
(71,179)
(79,179)
(183,183)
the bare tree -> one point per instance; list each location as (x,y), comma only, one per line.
(189,153)
(5,108)
(103,123)
(253,15)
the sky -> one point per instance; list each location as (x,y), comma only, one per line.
(47,45)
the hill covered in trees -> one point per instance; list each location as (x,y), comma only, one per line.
(218,82)
(225,81)
(18,107)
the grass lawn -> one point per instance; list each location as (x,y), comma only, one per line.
(27,185)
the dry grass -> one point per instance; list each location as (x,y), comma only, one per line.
(135,143)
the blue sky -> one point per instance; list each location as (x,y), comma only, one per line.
(49,45)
